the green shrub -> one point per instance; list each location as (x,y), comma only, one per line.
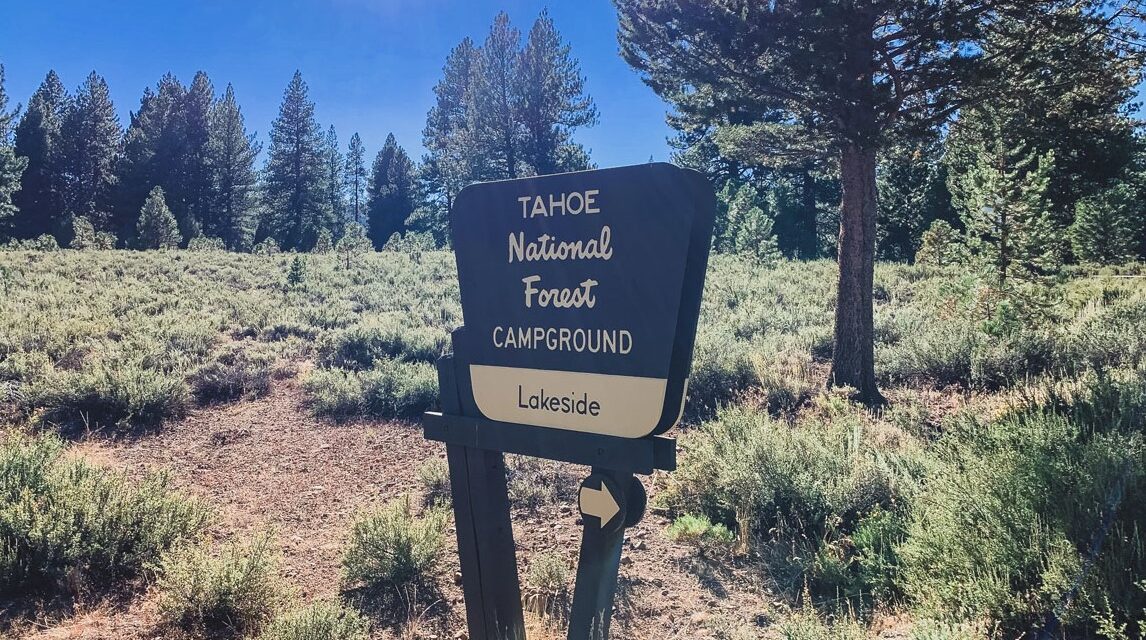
(776,480)
(124,396)
(335,393)
(700,532)
(721,372)
(319,621)
(394,547)
(1008,517)
(360,346)
(206,243)
(945,630)
(803,494)
(64,521)
(534,482)
(548,573)
(235,373)
(434,476)
(233,592)
(930,353)
(863,562)
(392,390)
(806,623)
(786,378)
(287,329)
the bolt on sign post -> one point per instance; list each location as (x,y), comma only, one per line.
(580,295)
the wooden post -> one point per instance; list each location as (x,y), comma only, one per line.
(602,539)
(485,535)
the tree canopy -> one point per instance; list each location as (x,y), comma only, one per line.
(782,82)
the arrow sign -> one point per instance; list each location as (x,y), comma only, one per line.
(599,503)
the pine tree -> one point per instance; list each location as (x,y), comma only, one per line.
(231,157)
(6,117)
(40,198)
(154,153)
(940,246)
(1107,226)
(799,190)
(1003,200)
(157,227)
(805,77)
(325,242)
(353,243)
(454,157)
(90,150)
(552,101)
(83,234)
(391,192)
(11,169)
(194,185)
(295,183)
(296,277)
(355,178)
(11,166)
(332,162)
(429,222)
(912,183)
(496,103)
(1067,83)
(746,226)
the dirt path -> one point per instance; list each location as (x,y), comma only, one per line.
(267,465)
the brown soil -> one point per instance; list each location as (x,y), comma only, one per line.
(268,466)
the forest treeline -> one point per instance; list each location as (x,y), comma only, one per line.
(184,170)
(1049,169)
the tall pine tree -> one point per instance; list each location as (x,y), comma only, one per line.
(332,164)
(1004,203)
(354,179)
(194,184)
(40,198)
(231,156)
(11,166)
(552,102)
(453,157)
(7,118)
(391,193)
(495,123)
(297,203)
(154,153)
(90,150)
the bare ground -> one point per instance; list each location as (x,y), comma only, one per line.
(269,466)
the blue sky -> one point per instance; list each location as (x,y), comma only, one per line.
(371,64)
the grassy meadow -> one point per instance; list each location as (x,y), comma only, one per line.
(1001,489)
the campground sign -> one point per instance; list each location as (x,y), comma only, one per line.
(580,292)
(580,295)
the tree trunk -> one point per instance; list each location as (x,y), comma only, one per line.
(853,356)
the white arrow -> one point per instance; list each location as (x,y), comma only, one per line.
(599,503)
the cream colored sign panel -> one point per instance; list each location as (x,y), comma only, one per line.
(624,406)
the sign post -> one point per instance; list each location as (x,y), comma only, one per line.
(580,294)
